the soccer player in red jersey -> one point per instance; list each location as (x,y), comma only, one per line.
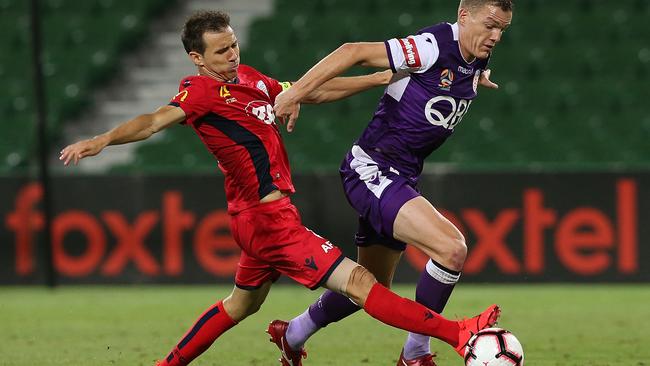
(229,106)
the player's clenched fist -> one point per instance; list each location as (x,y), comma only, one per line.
(82,149)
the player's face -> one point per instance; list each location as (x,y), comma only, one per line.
(481,30)
(221,56)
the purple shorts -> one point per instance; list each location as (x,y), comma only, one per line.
(377,193)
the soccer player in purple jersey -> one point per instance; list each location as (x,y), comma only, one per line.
(437,72)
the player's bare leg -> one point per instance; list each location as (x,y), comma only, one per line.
(215,321)
(420,224)
(389,308)
(331,306)
(241,303)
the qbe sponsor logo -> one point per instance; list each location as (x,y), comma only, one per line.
(435,109)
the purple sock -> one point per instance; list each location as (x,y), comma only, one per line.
(300,328)
(329,308)
(433,290)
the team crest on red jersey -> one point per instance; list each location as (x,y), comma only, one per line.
(261,86)
(261,110)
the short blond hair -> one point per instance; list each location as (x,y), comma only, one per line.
(505,5)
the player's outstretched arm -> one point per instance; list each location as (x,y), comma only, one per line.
(139,128)
(343,87)
(364,53)
(372,54)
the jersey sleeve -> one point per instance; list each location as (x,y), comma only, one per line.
(275,87)
(415,54)
(193,99)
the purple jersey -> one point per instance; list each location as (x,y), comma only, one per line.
(427,98)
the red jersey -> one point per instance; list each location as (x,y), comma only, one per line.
(236,123)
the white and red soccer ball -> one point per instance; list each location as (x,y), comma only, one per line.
(494,347)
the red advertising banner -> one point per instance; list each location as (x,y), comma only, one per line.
(519,227)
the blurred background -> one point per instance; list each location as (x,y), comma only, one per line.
(547,176)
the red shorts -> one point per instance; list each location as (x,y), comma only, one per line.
(274,242)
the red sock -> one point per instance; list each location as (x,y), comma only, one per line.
(213,323)
(399,312)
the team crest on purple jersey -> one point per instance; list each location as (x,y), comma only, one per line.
(477,77)
(446,78)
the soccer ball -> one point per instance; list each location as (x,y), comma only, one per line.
(494,347)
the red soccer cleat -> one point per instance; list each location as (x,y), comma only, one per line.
(426,360)
(469,327)
(288,357)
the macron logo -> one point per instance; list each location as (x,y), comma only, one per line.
(411,53)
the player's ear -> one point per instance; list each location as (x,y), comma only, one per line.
(196,58)
(462,15)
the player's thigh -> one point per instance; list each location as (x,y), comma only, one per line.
(244,302)
(380,260)
(420,224)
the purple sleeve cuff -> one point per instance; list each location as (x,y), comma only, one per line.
(390,57)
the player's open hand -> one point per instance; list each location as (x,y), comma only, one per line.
(287,109)
(485,81)
(77,151)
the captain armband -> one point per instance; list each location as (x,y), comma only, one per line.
(285,85)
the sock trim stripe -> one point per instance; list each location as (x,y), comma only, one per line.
(443,267)
(195,329)
(440,274)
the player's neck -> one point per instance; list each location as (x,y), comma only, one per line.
(467,56)
(217,76)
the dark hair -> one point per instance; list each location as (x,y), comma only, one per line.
(199,23)
(505,5)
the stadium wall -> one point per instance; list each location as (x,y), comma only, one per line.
(570,227)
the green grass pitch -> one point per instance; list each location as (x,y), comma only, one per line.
(581,325)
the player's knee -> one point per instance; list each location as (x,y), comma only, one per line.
(451,244)
(450,251)
(359,284)
(458,252)
(453,253)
